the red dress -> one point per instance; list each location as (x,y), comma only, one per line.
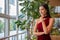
(40,29)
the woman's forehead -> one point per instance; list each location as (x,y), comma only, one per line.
(41,7)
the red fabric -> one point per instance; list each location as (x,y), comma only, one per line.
(40,29)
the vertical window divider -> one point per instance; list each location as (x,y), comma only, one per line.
(17,18)
(7,23)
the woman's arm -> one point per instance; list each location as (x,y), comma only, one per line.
(35,30)
(48,28)
(38,33)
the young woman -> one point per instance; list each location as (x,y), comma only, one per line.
(44,24)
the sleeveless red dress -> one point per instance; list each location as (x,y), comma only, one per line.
(40,29)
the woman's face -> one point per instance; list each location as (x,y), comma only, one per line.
(42,11)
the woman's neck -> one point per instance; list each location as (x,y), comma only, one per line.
(44,16)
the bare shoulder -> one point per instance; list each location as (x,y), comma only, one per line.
(52,19)
(36,20)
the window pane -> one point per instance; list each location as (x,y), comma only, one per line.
(57,9)
(2,6)
(12,2)
(20,7)
(57,22)
(12,7)
(1,27)
(12,27)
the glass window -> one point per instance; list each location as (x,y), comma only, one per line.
(1,27)
(2,6)
(57,9)
(13,8)
(20,7)
(12,2)
(12,27)
(57,22)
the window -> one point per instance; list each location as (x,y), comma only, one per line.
(57,22)
(13,14)
(7,26)
(57,9)
(1,27)
(2,6)
(20,7)
(13,8)
(12,2)
(7,20)
(12,27)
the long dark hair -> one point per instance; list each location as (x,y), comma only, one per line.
(47,9)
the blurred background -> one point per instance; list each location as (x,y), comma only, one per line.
(17,18)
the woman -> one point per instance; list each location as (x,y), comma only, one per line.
(44,24)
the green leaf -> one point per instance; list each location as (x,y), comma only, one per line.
(24,22)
